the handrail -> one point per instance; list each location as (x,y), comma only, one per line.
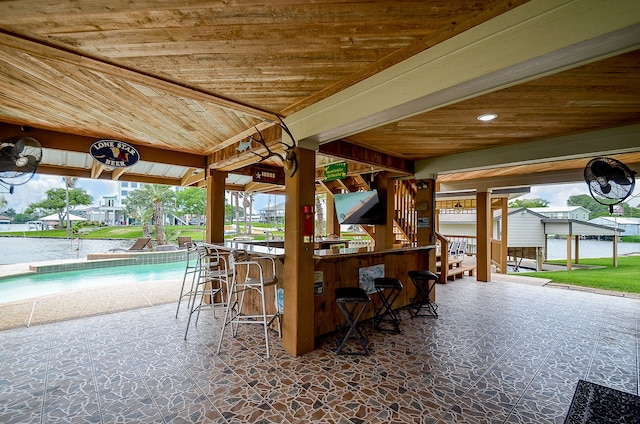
(444,257)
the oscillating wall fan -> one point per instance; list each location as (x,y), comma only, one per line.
(610,181)
(19,159)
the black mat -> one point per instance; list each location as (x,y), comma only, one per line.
(595,404)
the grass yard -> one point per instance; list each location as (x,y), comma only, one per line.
(624,278)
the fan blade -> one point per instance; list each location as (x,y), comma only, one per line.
(6,162)
(17,148)
(618,176)
(600,168)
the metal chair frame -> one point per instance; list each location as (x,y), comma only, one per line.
(386,308)
(212,277)
(234,315)
(348,300)
(421,280)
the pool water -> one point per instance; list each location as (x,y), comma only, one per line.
(36,285)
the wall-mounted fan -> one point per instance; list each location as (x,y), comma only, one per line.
(19,159)
(610,181)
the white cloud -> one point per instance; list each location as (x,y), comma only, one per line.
(558,194)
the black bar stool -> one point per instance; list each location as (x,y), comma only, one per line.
(424,281)
(394,287)
(349,299)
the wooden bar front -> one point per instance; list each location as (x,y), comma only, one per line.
(340,268)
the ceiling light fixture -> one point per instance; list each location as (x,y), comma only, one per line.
(486,117)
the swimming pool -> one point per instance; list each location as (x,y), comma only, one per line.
(36,285)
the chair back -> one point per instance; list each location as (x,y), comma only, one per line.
(184,242)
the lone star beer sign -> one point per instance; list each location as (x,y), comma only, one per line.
(114,153)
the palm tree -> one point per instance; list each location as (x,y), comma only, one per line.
(160,195)
(69,183)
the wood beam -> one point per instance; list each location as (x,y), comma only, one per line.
(96,169)
(191,177)
(81,143)
(117,173)
(105,175)
(353,152)
(230,158)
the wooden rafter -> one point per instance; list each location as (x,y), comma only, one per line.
(350,151)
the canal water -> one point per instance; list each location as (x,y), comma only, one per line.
(14,250)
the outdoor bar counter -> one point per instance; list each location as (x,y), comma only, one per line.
(353,267)
(346,267)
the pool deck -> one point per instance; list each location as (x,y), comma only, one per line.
(126,296)
(82,302)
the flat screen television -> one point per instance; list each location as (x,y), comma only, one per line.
(360,207)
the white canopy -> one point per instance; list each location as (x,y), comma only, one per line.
(55,217)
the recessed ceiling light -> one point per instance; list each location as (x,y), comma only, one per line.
(487,117)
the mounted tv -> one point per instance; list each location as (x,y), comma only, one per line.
(360,207)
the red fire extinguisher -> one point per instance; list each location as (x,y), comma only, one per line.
(308,226)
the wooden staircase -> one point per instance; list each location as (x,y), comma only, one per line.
(453,263)
(406,217)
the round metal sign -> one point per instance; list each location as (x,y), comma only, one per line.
(114,153)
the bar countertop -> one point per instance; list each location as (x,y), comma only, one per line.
(365,251)
(254,249)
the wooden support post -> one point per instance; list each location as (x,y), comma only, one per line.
(615,250)
(386,194)
(504,235)
(425,207)
(568,252)
(333,225)
(483,229)
(215,181)
(577,248)
(298,317)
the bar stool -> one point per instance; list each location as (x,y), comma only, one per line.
(191,270)
(208,290)
(394,287)
(255,281)
(349,299)
(424,281)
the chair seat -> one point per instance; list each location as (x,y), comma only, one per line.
(351,294)
(387,283)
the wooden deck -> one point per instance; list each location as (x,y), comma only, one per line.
(459,266)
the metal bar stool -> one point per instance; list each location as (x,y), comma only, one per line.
(255,281)
(394,287)
(349,299)
(191,270)
(424,281)
(209,287)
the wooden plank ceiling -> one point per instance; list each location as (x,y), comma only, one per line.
(197,77)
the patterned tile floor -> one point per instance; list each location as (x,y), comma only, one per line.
(499,353)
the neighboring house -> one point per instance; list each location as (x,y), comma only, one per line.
(91,213)
(461,223)
(631,226)
(564,212)
(273,213)
(5,219)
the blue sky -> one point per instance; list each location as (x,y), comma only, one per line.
(35,190)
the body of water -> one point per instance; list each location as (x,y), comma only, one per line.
(27,249)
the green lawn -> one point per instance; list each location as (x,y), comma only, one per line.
(625,277)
